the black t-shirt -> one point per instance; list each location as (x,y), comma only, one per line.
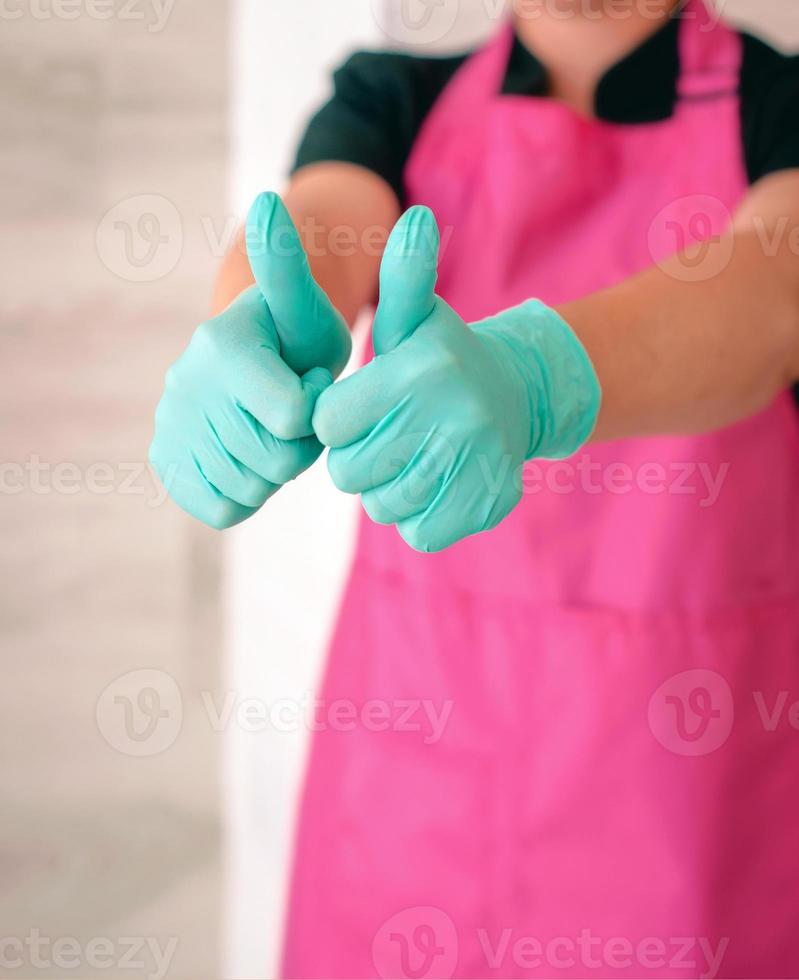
(381,100)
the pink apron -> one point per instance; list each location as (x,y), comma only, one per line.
(570,747)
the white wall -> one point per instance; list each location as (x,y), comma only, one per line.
(285,567)
(777,20)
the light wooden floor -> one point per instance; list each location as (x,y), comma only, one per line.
(96,843)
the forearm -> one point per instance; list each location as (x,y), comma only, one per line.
(675,356)
(343,214)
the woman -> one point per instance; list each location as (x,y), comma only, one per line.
(609,787)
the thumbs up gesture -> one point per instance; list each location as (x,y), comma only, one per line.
(433,432)
(234,422)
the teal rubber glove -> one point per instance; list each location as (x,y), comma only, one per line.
(234,422)
(433,432)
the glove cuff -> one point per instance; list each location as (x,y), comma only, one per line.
(563,390)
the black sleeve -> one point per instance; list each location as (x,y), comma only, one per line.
(770,109)
(379,103)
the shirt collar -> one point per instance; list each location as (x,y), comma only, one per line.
(640,88)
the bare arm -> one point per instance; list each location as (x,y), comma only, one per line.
(686,357)
(344,214)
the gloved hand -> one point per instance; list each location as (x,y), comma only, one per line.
(234,422)
(433,432)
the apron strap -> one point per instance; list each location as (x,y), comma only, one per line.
(495,56)
(485,71)
(710,54)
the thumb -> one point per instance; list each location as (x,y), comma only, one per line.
(311,331)
(315,381)
(408,276)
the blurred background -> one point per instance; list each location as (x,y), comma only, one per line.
(148,777)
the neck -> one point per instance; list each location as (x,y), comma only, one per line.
(577,41)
